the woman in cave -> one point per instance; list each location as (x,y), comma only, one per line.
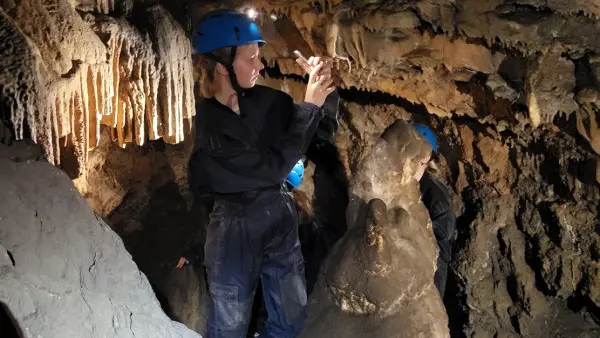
(248,138)
(437,200)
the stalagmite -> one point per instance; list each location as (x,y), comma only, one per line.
(378,280)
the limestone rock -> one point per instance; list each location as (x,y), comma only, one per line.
(527,249)
(69,273)
(113,173)
(552,82)
(378,281)
(525,253)
(66,75)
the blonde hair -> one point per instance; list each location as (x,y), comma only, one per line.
(205,68)
(432,168)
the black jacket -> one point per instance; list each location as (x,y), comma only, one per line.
(253,151)
(436,198)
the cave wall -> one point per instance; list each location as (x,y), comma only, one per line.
(131,69)
(526,254)
(528,216)
(511,86)
(519,150)
(515,64)
(527,201)
(67,71)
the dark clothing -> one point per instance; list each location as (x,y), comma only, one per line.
(315,239)
(241,161)
(248,242)
(436,198)
(328,126)
(238,156)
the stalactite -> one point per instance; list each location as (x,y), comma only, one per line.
(174,55)
(104,6)
(130,81)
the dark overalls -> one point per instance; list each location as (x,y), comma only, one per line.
(242,160)
(437,200)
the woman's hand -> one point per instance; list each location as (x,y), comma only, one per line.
(313,61)
(319,82)
(182,262)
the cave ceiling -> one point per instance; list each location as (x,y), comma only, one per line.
(71,67)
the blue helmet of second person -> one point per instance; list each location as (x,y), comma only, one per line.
(295,176)
(225,28)
(428,134)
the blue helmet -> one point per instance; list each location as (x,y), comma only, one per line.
(295,176)
(225,28)
(428,134)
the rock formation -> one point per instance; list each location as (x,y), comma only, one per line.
(378,281)
(513,64)
(527,201)
(63,271)
(512,87)
(527,240)
(65,74)
(528,231)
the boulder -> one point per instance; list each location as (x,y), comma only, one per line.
(63,271)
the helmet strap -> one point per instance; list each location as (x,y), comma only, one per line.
(229,66)
(234,82)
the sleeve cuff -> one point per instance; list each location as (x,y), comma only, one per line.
(311,109)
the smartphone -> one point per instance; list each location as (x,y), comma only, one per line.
(302,59)
(305,62)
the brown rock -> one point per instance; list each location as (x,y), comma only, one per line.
(378,281)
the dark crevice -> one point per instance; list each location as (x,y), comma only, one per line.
(364,98)
(486,103)
(584,75)
(156,228)
(68,158)
(523,14)
(480,41)
(582,304)
(514,320)
(584,166)
(553,174)
(533,256)
(512,284)
(331,187)
(321,7)
(75,65)
(274,71)
(479,158)
(512,157)
(12,258)
(513,70)
(7,128)
(594,249)
(426,26)
(512,287)
(455,298)
(550,223)
(9,327)
(597,221)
